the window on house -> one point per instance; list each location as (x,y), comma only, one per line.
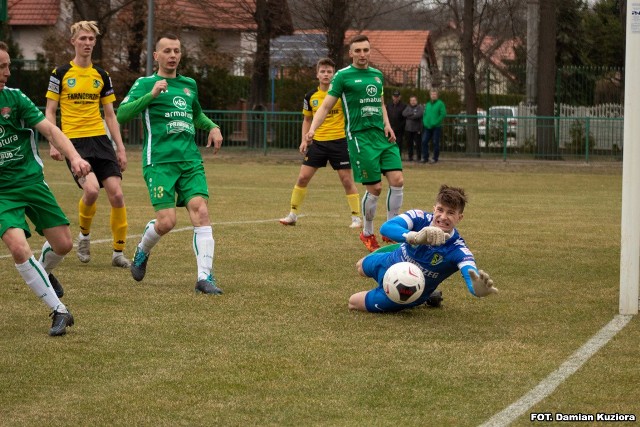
(450,65)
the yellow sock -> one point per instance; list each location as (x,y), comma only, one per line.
(86,214)
(297,197)
(119,227)
(354,203)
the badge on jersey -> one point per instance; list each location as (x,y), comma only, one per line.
(437,259)
(314,102)
(187,91)
(71,82)
(96,83)
(6,113)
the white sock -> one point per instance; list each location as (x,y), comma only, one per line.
(37,279)
(203,247)
(48,258)
(394,201)
(149,237)
(369,206)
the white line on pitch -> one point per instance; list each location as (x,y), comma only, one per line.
(568,368)
(175,230)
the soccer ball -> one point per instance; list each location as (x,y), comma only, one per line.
(403,283)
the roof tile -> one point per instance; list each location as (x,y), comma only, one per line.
(33,12)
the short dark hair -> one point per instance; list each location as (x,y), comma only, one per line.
(325,61)
(170,36)
(358,38)
(453,197)
(4,46)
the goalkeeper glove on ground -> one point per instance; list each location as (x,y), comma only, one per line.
(482,283)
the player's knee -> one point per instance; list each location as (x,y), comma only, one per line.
(90,194)
(359,267)
(165,224)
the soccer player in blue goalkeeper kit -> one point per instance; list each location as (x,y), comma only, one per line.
(430,241)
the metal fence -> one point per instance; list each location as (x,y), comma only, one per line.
(519,137)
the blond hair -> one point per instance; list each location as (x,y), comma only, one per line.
(91,26)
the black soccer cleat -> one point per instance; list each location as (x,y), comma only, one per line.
(139,264)
(60,323)
(55,284)
(208,286)
(435,299)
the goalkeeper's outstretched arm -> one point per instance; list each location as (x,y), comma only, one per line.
(479,283)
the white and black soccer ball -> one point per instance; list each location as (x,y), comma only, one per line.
(403,283)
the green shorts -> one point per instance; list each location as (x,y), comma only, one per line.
(36,202)
(372,155)
(174,184)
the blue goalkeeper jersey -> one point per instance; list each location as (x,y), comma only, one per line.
(436,262)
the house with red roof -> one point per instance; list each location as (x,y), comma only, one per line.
(406,58)
(492,57)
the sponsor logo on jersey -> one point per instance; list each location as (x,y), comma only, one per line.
(54,87)
(71,82)
(368,111)
(180,103)
(437,259)
(8,156)
(6,113)
(179,126)
(372,90)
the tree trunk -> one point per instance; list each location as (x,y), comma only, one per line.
(547,147)
(260,74)
(337,25)
(469,72)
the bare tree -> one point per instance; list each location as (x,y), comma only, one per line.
(546,143)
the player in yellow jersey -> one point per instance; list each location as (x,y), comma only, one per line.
(80,88)
(328,145)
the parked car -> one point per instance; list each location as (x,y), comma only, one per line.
(500,114)
(461,124)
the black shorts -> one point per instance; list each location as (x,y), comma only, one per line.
(335,152)
(99,153)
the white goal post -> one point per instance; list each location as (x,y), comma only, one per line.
(630,223)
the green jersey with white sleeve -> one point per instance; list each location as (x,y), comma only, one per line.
(168,119)
(20,163)
(361,90)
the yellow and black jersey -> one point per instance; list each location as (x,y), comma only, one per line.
(80,92)
(333,126)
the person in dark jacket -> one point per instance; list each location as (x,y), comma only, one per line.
(413,126)
(434,113)
(396,119)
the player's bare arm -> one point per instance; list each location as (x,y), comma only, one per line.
(215,138)
(114,129)
(321,114)
(306,125)
(54,135)
(388,131)
(50,114)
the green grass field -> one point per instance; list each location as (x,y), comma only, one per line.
(280,348)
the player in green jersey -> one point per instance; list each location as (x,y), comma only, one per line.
(372,144)
(172,165)
(23,191)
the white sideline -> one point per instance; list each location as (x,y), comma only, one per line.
(175,230)
(568,368)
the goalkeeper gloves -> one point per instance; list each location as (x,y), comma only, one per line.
(482,283)
(433,236)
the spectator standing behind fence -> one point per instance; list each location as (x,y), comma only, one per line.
(413,126)
(396,119)
(434,113)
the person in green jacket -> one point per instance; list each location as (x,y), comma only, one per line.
(434,114)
